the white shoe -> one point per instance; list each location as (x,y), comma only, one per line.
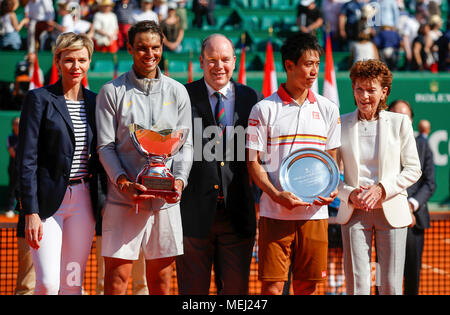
(10,214)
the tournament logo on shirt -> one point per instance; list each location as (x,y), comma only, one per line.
(315,115)
(253,122)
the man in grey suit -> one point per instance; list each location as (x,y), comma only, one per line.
(418,196)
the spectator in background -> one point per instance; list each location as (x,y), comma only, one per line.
(26,276)
(24,73)
(435,27)
(41,15)
(86,9)
(48,37)
(388,13)
(10,38)
(181,12)
(408,28)
(203,8)
(363,49)
(80,25)
(309,16)
(11,142)
(105,27)
(348,21)
(418,196)
(67,24)
(366,21)
(172,29)
(421,11)
(424,127)
(434,8)
(145,12)
(161,8)
(421,49)
(330,10)
(388,42)
(443,45)
(124,12)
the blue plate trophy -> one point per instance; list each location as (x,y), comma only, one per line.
(309,173)
(157,147)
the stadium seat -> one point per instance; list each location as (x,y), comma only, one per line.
(280,4)
(178,66)
(268,21)
(250,22)
(261,44)
(103,66)
(196,66)
(191,44)
(289,22)
(221,21)
(240,3)
(259,4)
(124,65)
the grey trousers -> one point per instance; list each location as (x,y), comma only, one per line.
(390,243)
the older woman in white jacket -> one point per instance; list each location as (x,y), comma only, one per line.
(380,160)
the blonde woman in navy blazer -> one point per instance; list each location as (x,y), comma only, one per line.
(380,160)
(56,140)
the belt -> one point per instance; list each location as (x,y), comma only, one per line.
(77,181)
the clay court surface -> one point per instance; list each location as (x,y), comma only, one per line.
(435,270)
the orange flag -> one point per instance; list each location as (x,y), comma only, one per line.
(84,81)
(54,75)
(35,79)
(330,90)
(242,77)
(270,84)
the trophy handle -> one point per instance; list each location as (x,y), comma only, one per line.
(182,135)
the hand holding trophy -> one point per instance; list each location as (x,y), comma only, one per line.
(310,174)
(157,147)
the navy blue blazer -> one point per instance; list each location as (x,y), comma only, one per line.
(46,148)
(207,178)
(424,188)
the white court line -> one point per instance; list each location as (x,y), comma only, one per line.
(436,270)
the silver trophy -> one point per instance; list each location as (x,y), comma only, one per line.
(157,147)
(309,173)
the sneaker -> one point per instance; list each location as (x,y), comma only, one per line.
(10,214)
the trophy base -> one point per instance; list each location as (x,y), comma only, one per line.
(157,182)
(170,196)
(160,187)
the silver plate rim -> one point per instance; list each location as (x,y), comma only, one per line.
(334,176)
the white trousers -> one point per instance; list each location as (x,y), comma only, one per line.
(60,262)
(390,243)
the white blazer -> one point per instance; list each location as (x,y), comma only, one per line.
(399,165)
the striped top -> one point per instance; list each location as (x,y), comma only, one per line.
(304,139)
(77,111)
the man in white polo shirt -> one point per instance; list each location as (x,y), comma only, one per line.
(292,232)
